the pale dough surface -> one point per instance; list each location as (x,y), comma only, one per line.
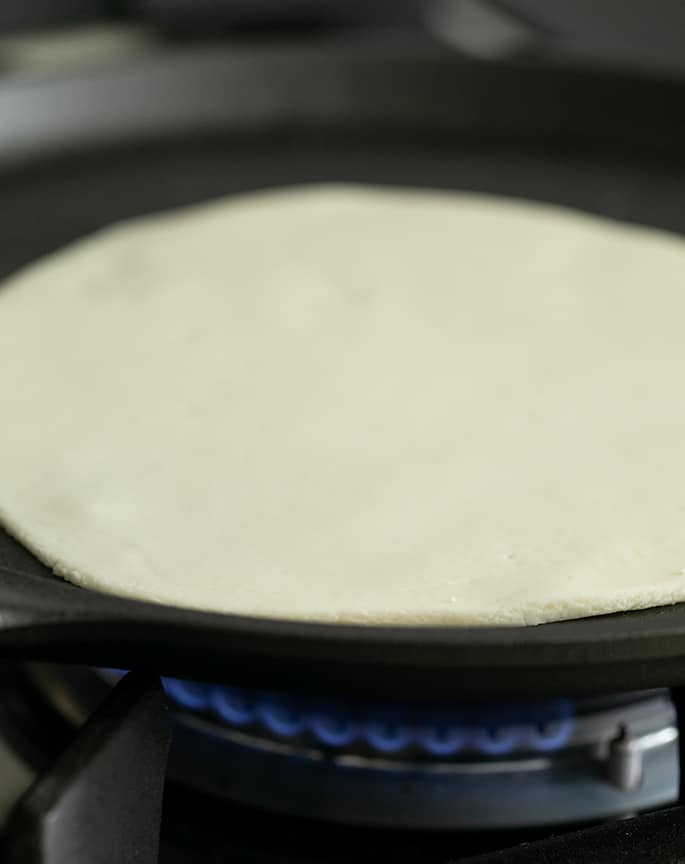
(339,403)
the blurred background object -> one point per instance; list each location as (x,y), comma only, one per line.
(50,52)
(611,32)
(33,14)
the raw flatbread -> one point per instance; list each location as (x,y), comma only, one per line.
(347,404)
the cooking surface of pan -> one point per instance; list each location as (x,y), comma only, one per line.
(613,149)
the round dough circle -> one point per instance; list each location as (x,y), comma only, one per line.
(348,404)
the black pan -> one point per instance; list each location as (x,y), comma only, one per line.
(81,154)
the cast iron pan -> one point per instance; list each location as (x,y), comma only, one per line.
(600,142)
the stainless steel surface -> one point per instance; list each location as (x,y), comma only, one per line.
(625,765)
(356,791)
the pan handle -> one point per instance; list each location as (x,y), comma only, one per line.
(27,599)
(43,618)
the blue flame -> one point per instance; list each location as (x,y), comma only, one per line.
(194,697)
(438,731)
(551,735)
(442,740)
(280,716)
(232,705)
(333,729)
(499,741)
(388,737)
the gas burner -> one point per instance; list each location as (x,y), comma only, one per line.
(122,746)
(501,765)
